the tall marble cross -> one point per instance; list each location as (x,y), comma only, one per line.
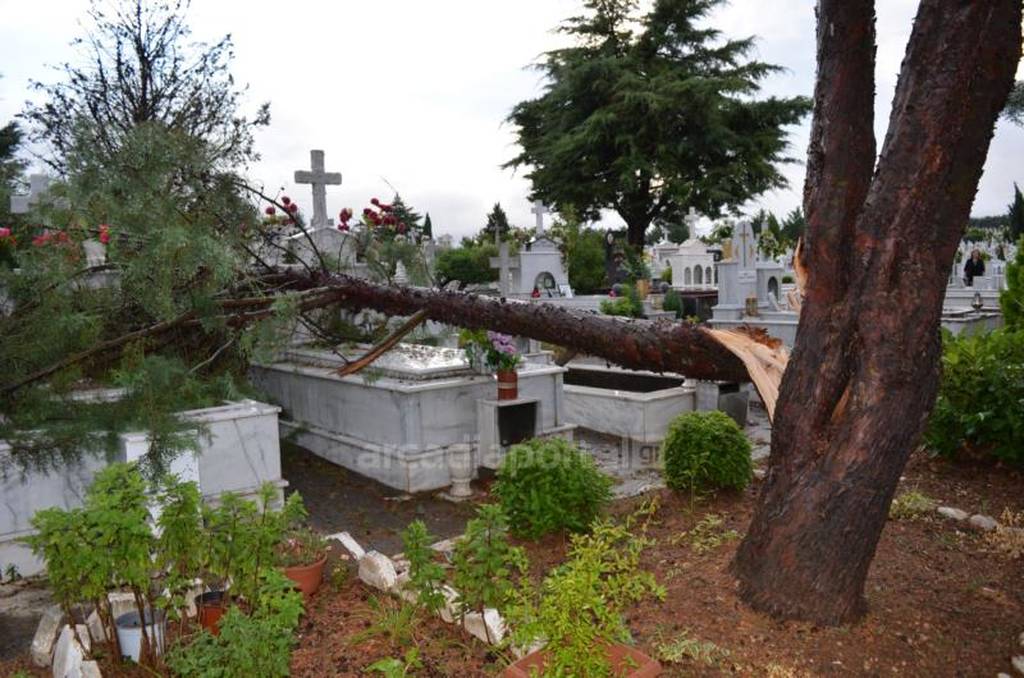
(691,219)
(320,180)
(504,264)
(540,210)
(748,250)
(37,187)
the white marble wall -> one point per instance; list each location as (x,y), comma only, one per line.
(238,451)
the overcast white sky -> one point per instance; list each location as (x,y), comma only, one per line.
(415,93)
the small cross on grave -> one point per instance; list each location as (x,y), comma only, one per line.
(504,264)
(37,187)
(748,244)
(540,210)
(691,220)
(320,180)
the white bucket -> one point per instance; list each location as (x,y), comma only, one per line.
(129,633)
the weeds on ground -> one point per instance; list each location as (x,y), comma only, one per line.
(391,620)
(398,668)
(706,535)
(1008,537)
(911,505)
(685,647)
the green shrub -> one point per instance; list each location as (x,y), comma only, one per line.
(627,304)
(1011,300)
(673,302)
(254,644)
(911,505)
(787,279)
(426,576)
(980,399)
(484,563)
(706,451)
(549,485)
(579,606)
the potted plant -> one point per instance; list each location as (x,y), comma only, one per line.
(241,537)
(579,608)
(302,556)
(503,358)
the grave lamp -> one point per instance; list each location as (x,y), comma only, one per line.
(977,303)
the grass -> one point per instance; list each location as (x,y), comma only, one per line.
(1008,537)
(391,620)
(707,535)
(685,647)
(911,506)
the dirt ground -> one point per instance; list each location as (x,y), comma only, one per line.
(942,602)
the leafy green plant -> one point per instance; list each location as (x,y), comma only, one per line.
(1011,300)
(484,562)
(708,534)
(546,485)
(911,505)
(242,536)
(685,647)
(426,576)
(706,451)
(627,304)
(579,606)
(398,668)
(300,546)
(673,302)
(393,620)
(254,644)
(978,410)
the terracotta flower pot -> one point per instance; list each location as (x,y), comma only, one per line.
(210,607)
(508,384)
(626,661)
(307,577)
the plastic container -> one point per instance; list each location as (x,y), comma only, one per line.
(129,632)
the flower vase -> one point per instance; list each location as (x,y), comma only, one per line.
(508,384)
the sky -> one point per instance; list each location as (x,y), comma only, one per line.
(411,96)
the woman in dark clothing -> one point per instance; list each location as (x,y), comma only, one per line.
(974,268)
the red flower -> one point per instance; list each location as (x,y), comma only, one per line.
(375,202)
(5,232)
(293,208)
(104,234)
(40,240)
(285,200)
(367,212)
(345,215)
(271,210)
(385,208)
(401,227)
(343,226)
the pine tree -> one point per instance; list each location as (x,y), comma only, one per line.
(1015,214)
(428,227)
(405,214)
(497,223)
(650,114)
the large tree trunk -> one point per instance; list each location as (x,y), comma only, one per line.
(864,370)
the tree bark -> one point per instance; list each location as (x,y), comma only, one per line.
(683,348)
(864,369)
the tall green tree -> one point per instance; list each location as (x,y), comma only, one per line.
(139,65)
(405,214)
(428,226)
(651,114)
(1015,214)
(1015,104)
(11,167)
(497,226)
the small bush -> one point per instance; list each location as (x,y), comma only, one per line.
(979,404)
(673,302)
(1008,537)
(706,451)
(549,485)
(627,304)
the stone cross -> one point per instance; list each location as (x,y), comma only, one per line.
(540,210)
(691,220)
(748,244)
(320,180)
(504,264)
(37,187)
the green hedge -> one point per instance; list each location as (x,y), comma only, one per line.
(706,451)
(981,398)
